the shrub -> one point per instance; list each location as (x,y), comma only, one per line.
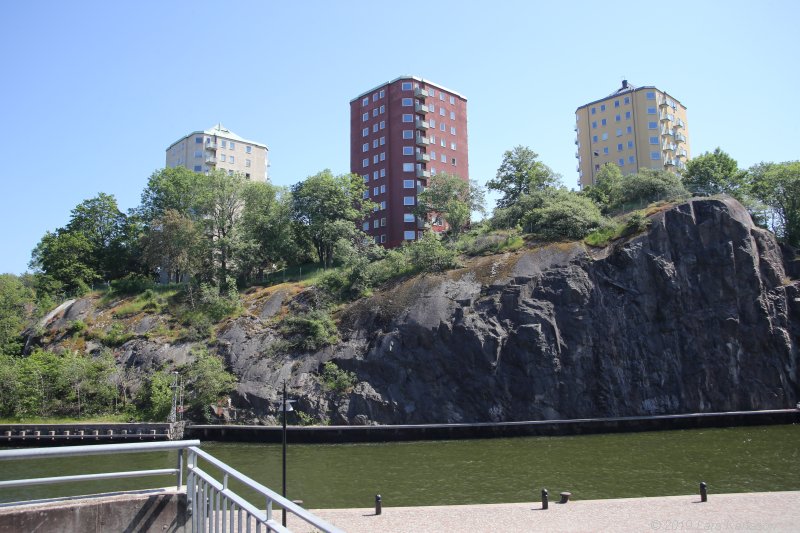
(429,254)
(563,214)
(116,335)
(216,305)
(334,379)
(131,284)
(309,331)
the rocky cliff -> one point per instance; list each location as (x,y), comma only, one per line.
(696,314)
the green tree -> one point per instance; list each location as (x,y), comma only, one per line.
(173,189)
(64,258)
(453,198)
(521,173)
(429,254)
(648,186)
(562,214)
(607,187)
(154,398)
(778,186)
(16,308)
(173,243)
(714,173)
(100,221)
(327,207)
(207,381)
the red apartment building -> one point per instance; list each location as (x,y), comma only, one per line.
(402,133)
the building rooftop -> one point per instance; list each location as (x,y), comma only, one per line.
(408,77)
(628,88)
(219,130)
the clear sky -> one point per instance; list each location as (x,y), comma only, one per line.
(92,93)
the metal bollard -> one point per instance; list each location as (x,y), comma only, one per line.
(377,504)
(703,491)
(545,503)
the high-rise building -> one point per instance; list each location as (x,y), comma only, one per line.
(218,147)
(402,133)
(634,128)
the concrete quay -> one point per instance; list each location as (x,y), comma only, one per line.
(760,511)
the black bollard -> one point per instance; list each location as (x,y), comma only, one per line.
(377,504)
(544,499)
(703,492)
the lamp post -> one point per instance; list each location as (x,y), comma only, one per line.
(287,407)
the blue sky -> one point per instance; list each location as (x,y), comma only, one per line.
(92,93)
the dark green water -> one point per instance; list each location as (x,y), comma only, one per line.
(765,458)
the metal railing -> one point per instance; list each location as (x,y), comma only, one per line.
(215,507)
(211,504)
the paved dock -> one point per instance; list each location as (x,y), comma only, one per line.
(761,511)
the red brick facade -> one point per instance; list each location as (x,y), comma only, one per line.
(401,133)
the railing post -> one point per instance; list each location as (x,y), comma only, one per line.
(180,469)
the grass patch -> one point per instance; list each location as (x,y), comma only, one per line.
(603,236)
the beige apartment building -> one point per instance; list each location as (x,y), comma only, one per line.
(220,148)
(633,128)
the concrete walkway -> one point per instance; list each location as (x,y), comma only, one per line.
(762,511)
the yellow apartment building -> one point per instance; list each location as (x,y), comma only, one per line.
(634,128)
(218,147)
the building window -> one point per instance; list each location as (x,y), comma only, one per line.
(374,128)
(383,189)
(365,101)
(594,124)
(198,140)
(383,172)
(630,144)
(408,118)
(627,115)
(452,146)
(408,184)
(366,178)
(408,200)
(622,162)
(629,129)
(408,150)
(605,150)
(432,123)
(631,159)
(231,159)
(654,140)
(655,156)
(452,115)
(619,147)
(198,153)
(432,92)
(406,86)
(453,161)
(364,163)
(365,226)
(375,191)
(441,112)
(619,132)
(408,102)
(616,103)
(433,155)
(441,97)
(198,168)
(375,112)
(374,174)
(383,124)
(442,126)
(383,141)
(433,171)
(618,118)
(594,110)
(366,193)
(247,162)
(383,222)
(651,110)
(627,100)
(365,147)
(603,122)
(374,143)
(383,238)
(605,136)
(452,130)
(365,117)
(381,93)
(652,125)
(432,108)
(602,107)
(375,159)
(383,156)
(408,134)
(408,167)
(651,95)
(248,149)
(376,223)
(383,109)
(222,158)
(453,100)
(444,158)
(408,217)
(409,235)
(594,138)
(375,97)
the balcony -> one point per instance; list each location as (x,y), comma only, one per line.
(422,141)
(679,123)
(667,132)
(423,158)
(669,162)
(420,108)
(421,223)
(576,142)
(420,187)
(421,124)
(663,103)
(211,160)
(211,147)
(423,173)
(680,137)
(420,93)
(683,153)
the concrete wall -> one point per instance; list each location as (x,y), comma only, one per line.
(153,510)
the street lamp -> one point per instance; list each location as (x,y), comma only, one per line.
(287,407)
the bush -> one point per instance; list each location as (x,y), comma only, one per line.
(116,335)
(638,190)
(132,284)
(429,254)
(198,326)
(216,305)
(337,380)
(309,331)
(484,242)
(563,214)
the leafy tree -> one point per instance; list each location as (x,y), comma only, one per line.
(173,243)
(607,187)
(778,186)
(16,308)
(451,197)
(173,189)
(207,381)
(100,221)
(64,257)
(429,254)
(714,172)
(154,398)
(327,207)
(647,186)
(562,214)
(521,173)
